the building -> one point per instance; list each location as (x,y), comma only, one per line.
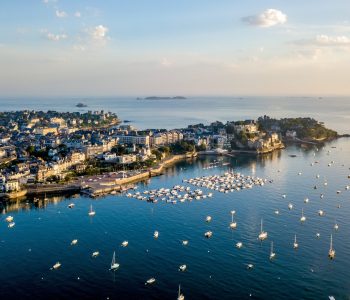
(142,140)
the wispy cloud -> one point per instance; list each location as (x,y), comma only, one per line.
(77,14)
(55,37)
(325,40)
(268,18)
(61,14)
(166,62)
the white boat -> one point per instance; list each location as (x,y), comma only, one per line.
(179,295)
(331,252)
(239,245)
(208,219)
(320,212)
(284,196)
(290,206)
(12,224)
(302,218)
(91,212)
(263,234)
(277,212)
(295,244)
(156,234)
(114,264)
(272,254)
(9,219)
(306,200)
(56,265)
(331,298)
(208,234)
(150,281)
(71,205)
(125,244)
(318,235)
(233,224)
(336,226)
(182,268)
(74,242)
(250,266)
(185,242)
(95,254)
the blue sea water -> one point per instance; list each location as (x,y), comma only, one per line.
(216,268)
(334,111)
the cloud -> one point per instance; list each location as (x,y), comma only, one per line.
(268,18)
(61,14)
(55,37)
(326,41)
(77,14)
(99,32)
(166,62)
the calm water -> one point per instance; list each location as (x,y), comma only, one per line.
(335,112)
(216,268)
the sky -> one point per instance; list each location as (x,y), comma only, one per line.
(174,47)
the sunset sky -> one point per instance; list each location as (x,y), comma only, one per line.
(167,47)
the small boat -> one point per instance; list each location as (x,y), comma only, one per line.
(114,264)
(71,205)
(321,213)
(331,298)
(185,242)
(290,206)
(156,234)
(233,224)
(306,200)
(125,244)
(336,226)
(95,254)
(12,224)
(239,245)
(150,281)
(9,219)
(284,196)
(113,192)
(263,234)
(277,212)
(182,268)
(179,295)
(302,218)
(74,242)
(56,266)
(318,235)
(272,254)
(208,219)
(208,234)
(91,212)
(295,244)
(331,252)
(250,266)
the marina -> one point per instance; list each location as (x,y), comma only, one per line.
(159,246)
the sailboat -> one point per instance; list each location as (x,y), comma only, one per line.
(272,254)
(295,244)
(114,265)
(179,295)
(331,252)
(303,218)
(91,212)
(233,225)
(263,234)
(336,226)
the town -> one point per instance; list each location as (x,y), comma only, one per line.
(52,151)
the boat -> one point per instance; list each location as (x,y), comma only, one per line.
(331,252)
(12,224)
(156,234)
(233,224)
(336,226)
(179,295)
(302,218)
(208,234)
(290,206)
(277,212)
(331,298)
(95,254)
(125,244)
(272,254)
(9,219)
(150,281)
(263,234)
(91,212)
(250,266)
(71,205)
(306,200)
(295,244)
(239,245)
(182,268)
(318,235)
(114,264)
(208,219)
(113,192)
(185,242)
(56,266)
(74,242)
(320,212)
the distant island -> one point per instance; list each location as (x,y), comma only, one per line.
(81,105)
(163,98)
